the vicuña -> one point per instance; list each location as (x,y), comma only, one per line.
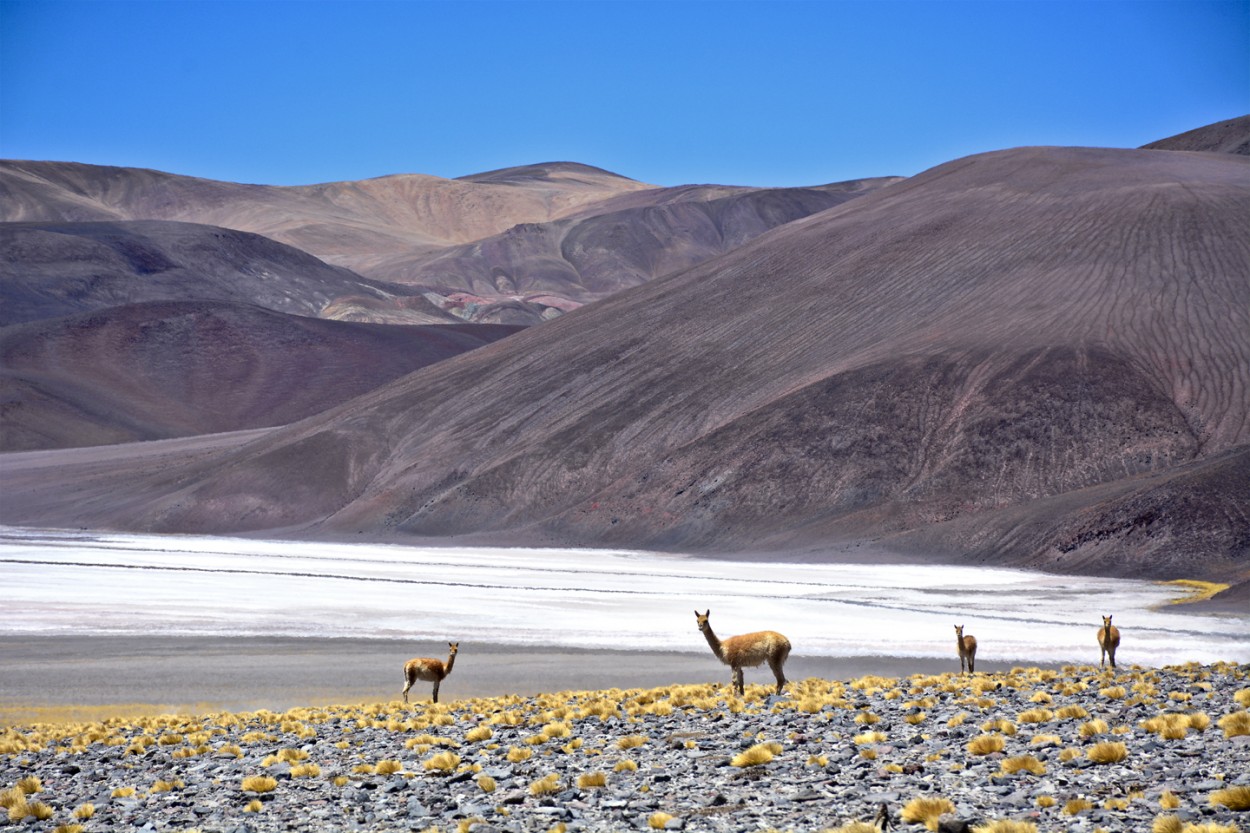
(747,650)
(429,670)
(1108,641)
(967,647)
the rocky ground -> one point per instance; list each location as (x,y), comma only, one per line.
(1051,750)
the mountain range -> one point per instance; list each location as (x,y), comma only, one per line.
(1036,357)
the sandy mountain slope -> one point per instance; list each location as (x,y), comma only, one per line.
(49,270)
(1232,136)
(1007,355)
(350,224)
(613,245)
(172,369)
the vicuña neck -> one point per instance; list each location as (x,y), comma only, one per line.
(713,641)
(451,660)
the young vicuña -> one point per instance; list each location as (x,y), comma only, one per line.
(967,647)
(1108,641)
(429,670)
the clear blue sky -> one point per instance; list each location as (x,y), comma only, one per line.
(753,93)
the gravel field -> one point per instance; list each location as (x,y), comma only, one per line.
(1071,749)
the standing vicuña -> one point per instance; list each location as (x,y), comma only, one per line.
(429,670)
(1108,641)
(747,650)
(967,646)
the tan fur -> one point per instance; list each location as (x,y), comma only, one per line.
(747,651)
(429,670)
(1108,641)
(967,647)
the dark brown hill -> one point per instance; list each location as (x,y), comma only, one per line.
(1025,354)
(49,270)
(173,369)
(613,245)
(1232,136)
(351,224)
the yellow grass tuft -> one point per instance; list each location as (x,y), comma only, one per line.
(659,820)
(1234,798)
(546,785)
(1166,824)
(518,755)
(1036,716)
(1076,806)
(305,771)
(1169,801)
(442,762)
(1006,826)
(1097,726)
(926,811)
(1210,827)
(1242,698)
(591,780)
(1045,801)
(1115,692)
(259,784)
(30,785)
(1072,712)
(1235,724)
(1023,763)
(479,734)
(757,755)
(254,806)
(631,741)
(865,738)
(389,767)
(123,792)
(986,744)
(625,766)
(1107,753)
(68,828)
(84,811)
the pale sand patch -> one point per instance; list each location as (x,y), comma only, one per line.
(92,677)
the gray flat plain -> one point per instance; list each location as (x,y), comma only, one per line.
(249,673)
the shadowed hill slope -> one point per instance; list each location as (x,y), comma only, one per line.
(151,371)
(351,224)
(617,243)
(49,270)
(1232,136)
(1037,331)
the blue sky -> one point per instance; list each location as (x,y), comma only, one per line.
(752,93)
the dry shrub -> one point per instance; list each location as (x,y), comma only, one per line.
(254,806)
(658,820)
(84,811)
(546,785)
(631,741)
(1073,712)
(926,811)
(442,762)
(1168,800)
(518,755)
(986,744)
(625,766)
(1115,692)
(1075,806)
(1234,798)
(1023,763)
(30,784)
(486,783)
(305,771)
(760,753)
(591,780)
(1166,824)
(1036,716)
(480,733)
(865,738)
(1242,698)
(1006,826)
(1107,753)
(1235,724)
(259,784)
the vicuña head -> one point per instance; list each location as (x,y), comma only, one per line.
(747,650)
(1108,641)
(429,670)
(967,647)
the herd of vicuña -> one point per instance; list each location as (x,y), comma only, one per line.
(750,650)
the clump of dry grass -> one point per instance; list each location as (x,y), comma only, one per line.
(1023,763)
(757,755)
(986,744)
(926,811)
(1234,798)
(1168,800)
(443,762)
(592,780)
(1166,824)
(1235,724)
(1006,826)
(631,741)
(1075,806)
(625,766)
(1107,753)
(546,785)
(1036,716)
(659,820)
(259,784)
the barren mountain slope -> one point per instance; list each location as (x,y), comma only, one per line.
(351,224)
(49,270)
(172,369)
(1040,327)
(617,243)
(1232,136)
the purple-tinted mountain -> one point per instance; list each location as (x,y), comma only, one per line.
(1232,136)
(1038,357)
(49,270)
(175,369)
